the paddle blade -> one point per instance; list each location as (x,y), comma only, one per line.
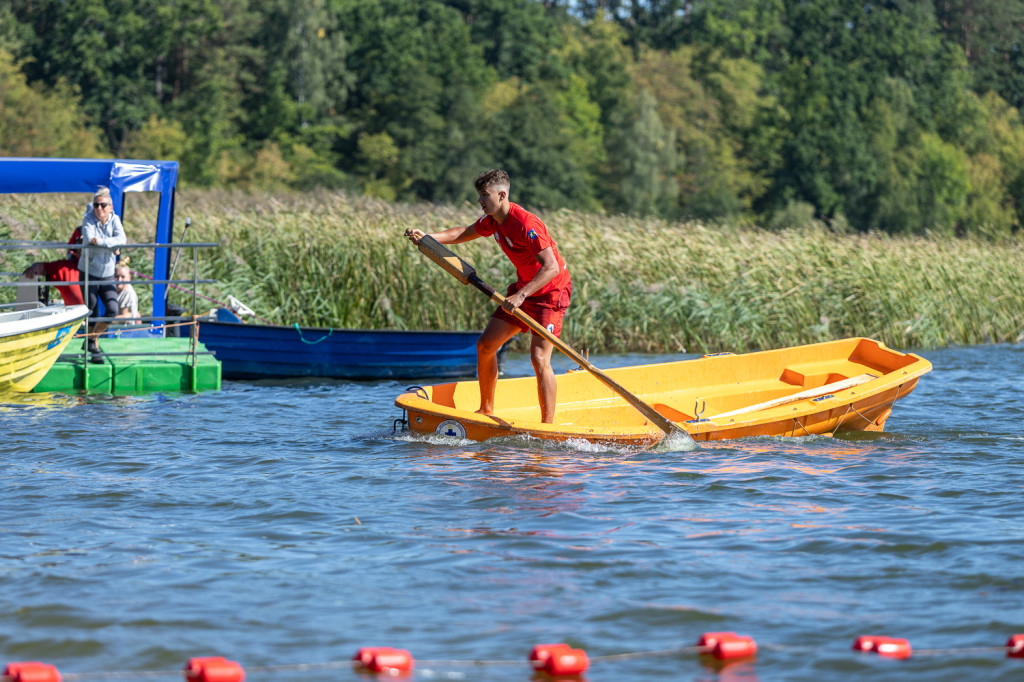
(453,265)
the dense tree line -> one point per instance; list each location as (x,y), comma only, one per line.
(897,115)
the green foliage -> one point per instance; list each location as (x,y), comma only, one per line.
(926,188)
(34,122)
(156,139)
(597,57)
(653,23)
(988,34)
(13,33)
(305,79)
(417,79)
(757,30)
(519,39)
(649,163)
(716,110)
(531,140)
(711,105)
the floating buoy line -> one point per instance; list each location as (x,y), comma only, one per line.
(552,660)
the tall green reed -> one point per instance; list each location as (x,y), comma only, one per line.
(328,259)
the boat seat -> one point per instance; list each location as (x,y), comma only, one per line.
(802,395)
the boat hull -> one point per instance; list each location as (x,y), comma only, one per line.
(32,340)
(257,351)
(846,385)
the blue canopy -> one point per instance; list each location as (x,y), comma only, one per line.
(37,176)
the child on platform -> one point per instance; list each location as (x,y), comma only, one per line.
(127,299)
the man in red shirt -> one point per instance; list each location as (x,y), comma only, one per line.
(543,287)
(62,271)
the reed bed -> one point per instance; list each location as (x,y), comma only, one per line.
(332,260)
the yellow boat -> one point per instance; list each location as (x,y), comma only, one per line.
(32,340)
(823,388)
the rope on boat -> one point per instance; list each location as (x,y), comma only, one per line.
(312,343)
(796,423)
(716,650)
(896,395)
(866,420)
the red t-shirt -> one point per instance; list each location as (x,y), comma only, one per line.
(522,237)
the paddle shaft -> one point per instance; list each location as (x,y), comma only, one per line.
(466,274)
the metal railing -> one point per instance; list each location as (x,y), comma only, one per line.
(157,323)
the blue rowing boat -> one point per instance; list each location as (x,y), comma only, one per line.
(265,351)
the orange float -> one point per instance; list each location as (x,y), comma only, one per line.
(889,647)
(726,645)
(1015,646)
(384,659)
(559,660)
(213,669)
(31,671)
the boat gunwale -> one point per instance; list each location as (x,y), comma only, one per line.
(40,319)
(338,330)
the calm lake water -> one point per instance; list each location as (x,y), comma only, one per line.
(283,524)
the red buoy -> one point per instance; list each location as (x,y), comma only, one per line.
(213,669)
(890,647)
(736,646)
(542,653)
(708,640)
(726,645)
(893,647)
(868,642)
(1015,646)
(384,659)
(32,671)
(568,662)
(559,660)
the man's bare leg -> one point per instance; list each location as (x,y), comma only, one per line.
(493,338)
(540,355)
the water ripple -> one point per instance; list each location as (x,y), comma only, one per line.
(279,523)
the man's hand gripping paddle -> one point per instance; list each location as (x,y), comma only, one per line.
(465,273)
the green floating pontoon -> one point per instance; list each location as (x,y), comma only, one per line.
(138,360)
(149,366)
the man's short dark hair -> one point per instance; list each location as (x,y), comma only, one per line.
(494,177)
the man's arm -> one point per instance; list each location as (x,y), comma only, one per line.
(548,271)
(453,235)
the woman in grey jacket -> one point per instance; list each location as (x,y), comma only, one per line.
(103,233)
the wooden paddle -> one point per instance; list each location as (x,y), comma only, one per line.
(465,273)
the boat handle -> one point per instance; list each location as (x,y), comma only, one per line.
(419,391)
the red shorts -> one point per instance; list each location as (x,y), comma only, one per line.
(548,309)
(65,271)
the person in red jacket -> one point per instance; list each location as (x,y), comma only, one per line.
(65,270)
(543,287)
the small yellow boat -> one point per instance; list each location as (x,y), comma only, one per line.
(32,340)
(823,388)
